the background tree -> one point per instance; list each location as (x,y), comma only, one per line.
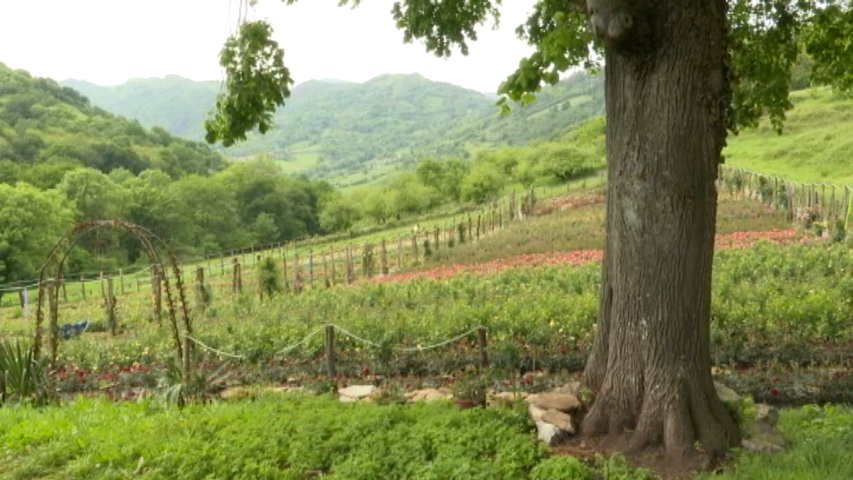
(30,222)
(483,183)
(679,74)
(338,214)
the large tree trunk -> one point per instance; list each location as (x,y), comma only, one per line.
(666,93)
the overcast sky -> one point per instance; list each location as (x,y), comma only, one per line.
(108,42)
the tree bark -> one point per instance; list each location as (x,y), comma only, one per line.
(667,92)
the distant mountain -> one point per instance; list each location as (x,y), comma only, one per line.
(174,103)
(356,132)
(47,129)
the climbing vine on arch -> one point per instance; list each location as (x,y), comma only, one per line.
(52,271)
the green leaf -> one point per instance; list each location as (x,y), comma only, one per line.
(256,83)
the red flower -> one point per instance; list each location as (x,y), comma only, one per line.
(774,392)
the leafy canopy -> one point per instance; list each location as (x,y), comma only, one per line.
(256,83)
(766,37)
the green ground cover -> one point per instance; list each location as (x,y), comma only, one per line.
(298,437)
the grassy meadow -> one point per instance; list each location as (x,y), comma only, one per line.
(815,146)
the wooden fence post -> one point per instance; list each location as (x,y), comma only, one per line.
(833,211)
(399,253)
(367,260)
(185,360)
(333,274)
(326,280)
(284,273)
(237,277)
(25,308)
(436,241)
(112,321)
(350,269)
(259,274)
(157,293)
(384,258)
(53,325)
(201,294)
(83,285)
(310,265)
(297,271)
(330,350)
(482,344)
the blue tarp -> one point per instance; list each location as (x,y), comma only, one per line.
(71,330)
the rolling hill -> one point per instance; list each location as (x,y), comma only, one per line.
(47,129)
(357,132)
(816,144)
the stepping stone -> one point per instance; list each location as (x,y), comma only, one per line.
(429,395)
(354,393)
(561,420)
(564,402)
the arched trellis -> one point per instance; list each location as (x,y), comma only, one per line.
(51,273)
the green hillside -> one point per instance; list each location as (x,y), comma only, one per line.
(174,103)
(352,126)
(357,133)
(815,146)
(47,129)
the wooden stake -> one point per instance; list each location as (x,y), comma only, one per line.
(330,351)
(200,289)
(53,310)
(384,258)
(482,344)
(112,321)
(350,269)
(157,293)
(326,279)
(284,273)
(333,274)
(435,238)
(310,265)
(185,360)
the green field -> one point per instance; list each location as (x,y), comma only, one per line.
(815,146)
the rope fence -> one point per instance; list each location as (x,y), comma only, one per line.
(329,344)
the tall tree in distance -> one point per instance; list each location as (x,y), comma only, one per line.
(680,74)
